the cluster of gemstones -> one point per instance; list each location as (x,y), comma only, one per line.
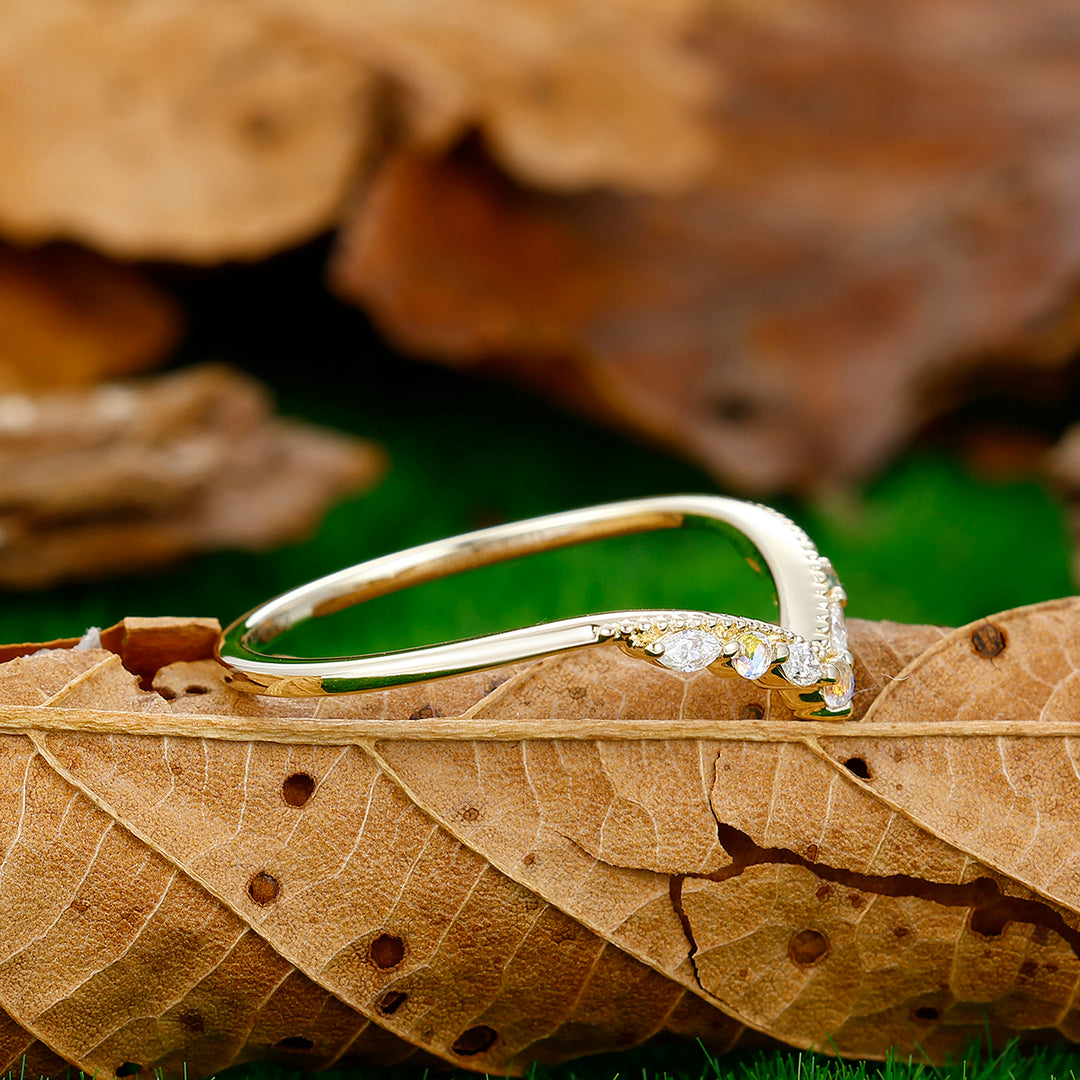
(754,649)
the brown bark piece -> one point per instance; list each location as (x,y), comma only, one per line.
(498,901)
(125,477)
(71,318)
(196,132)
(888,212)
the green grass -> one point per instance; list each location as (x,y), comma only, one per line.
(665,1060)
(925,542)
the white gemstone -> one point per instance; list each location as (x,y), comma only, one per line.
(802,667)
(755,656)
(837,628)
(839,694)
(689,650)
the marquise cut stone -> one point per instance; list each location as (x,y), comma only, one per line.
(689,650)
(802,667)
(755,656)
(839,694)
(838,641)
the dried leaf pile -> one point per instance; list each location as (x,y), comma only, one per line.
(194,875)
(778,239)
(122,477)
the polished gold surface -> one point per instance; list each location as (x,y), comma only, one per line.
(809,604)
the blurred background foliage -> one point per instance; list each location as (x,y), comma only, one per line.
(930,540)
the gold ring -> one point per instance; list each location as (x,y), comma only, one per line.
(803,654)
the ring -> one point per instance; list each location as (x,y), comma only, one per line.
(803,655)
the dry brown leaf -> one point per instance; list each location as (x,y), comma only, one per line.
(652,851)
(196,132)
(889,211)
(69,318)
(206,132)
(566,95)
(128,476)
(777,238)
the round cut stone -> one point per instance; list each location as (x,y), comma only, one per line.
(839,694)
(755,656)
(802,667)
(689,650)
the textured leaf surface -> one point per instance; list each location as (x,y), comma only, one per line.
(175,889)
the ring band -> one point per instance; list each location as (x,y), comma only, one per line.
(803,655)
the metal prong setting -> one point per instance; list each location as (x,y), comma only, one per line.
(813,676)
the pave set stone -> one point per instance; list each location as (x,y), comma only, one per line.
(752,649)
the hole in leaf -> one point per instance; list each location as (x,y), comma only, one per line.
(752,711)
(857,767)
(263,887)
(259,129)
(807,947)
(392,1002)
(474,1041)
(191,1021)
(196,689)
(991,920)
(294,1042)
(297,788)
(735,410)
(129,1068)
(988,641)
(926,1012)
(386,951)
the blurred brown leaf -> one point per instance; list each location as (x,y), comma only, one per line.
(565,95)
(201,132)
(776,238)
(70,318)
(891,205)
(188,131)
(130,476)
(319,877)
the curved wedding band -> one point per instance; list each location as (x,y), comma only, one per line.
(803,655)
